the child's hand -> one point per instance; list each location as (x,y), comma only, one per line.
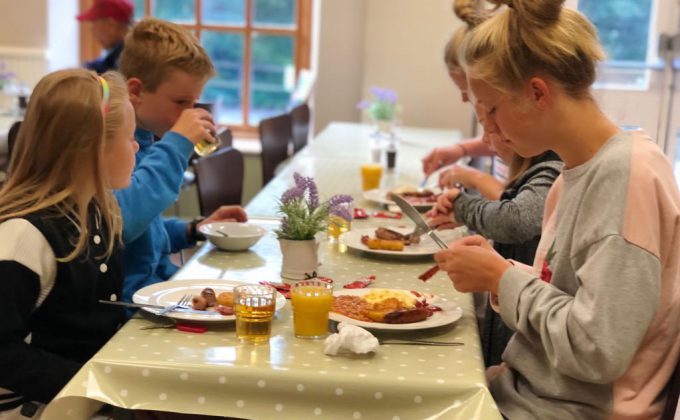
(444,204)
(472,265)
(227,214)
(458,175)
(195,124)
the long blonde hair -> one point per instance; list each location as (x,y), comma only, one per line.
(532,37)
(154,48)
(59,149)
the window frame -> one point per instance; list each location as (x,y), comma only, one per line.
(301,34)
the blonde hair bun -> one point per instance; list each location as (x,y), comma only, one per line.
(534,13)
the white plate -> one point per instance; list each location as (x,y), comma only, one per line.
(450,313)
(426,246)
(380,196)
(169,292)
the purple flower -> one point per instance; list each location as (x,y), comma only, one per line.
(363,104)
(384,95)
(294,193)
(340,204)
(339,199)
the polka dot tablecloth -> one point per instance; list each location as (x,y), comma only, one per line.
(289,378)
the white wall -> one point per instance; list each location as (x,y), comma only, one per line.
(401,45)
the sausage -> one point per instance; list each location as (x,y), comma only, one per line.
(407,316)
(199,303)
(209,295)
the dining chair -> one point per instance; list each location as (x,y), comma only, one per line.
(275,137)
(300,119)
(219,179)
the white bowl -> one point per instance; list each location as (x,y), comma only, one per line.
(232,236)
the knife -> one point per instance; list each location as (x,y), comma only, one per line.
(147,305)
(421,224)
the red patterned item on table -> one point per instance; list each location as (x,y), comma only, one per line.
(360,283)
(429,273)
(387,214)
(360,213)
(283,288)
(198,329)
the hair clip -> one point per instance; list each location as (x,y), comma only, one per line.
(509,3)
(106,94)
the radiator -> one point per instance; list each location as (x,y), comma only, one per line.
(28,64)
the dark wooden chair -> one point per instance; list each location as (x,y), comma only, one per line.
(219,179)
(300,116)
(673,393)
(275,137)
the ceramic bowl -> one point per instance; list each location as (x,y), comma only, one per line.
(232,236)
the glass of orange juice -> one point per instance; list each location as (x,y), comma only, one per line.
(370,176)
(312,300)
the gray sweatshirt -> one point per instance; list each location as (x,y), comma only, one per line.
(597,317)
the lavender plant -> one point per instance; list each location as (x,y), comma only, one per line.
(383,106)
(303,214)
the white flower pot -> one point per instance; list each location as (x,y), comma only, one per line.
(299,258)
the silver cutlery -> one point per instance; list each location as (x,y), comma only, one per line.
(415,216)
(147,305)
(418,342)
(182,303)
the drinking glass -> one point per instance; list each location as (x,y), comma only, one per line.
(370,176)
(312,300)
(205,146)
(254,307)
(338,224)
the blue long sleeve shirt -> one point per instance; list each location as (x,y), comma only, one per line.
(149,238)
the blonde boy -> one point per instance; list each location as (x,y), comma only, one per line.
(166,70)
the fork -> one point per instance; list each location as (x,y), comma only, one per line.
(182,303)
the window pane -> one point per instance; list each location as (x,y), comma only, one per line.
(223,12)
(274,12)
(272,74)
(624,29)
(140,9)
(180,11)
(226,88)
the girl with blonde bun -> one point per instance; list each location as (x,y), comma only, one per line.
(596,315)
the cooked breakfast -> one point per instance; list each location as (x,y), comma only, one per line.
(384,306)
(389,240)
(414,196)
(208,300)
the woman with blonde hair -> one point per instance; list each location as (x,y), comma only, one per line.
(596,316)
(60,228)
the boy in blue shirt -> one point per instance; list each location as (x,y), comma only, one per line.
(166,70)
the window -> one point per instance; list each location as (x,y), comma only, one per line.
(257,46)
(624,28)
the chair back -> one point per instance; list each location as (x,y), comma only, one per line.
(219,179)
(226,137)
(300,116)
(275,136)
(673,393)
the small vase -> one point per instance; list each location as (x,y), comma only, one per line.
(299,258)
(384,129)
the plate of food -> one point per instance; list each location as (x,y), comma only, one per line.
(421,198)
(397,241)
(211,295)
(392,309)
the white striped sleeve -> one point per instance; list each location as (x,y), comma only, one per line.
(22,242)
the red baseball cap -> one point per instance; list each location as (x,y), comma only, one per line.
(120,10)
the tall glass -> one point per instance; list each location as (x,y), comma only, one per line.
(312,300)
(205,146)
(254,307)
(370,176)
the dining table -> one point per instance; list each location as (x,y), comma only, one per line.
(213,373)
